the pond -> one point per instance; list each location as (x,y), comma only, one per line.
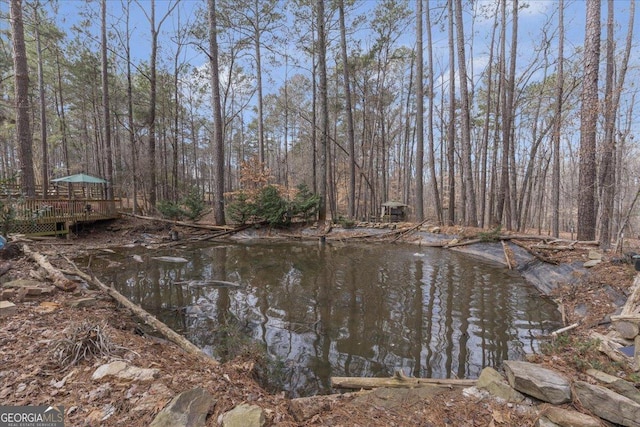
(340,309)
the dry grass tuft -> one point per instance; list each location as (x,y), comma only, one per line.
(82,342)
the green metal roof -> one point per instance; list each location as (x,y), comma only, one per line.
(80,177)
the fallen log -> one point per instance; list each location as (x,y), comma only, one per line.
(465,243)
(399,380)
(59,279)
(181,223)
(149,319)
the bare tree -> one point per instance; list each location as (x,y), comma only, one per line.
(323,119)
(588,121)
(419,115)
(349,111)
(611,104)
(430,94)
(218,143)
(42,102)
(155,30)
(23,127)
(471,216)
(105,100)
(557,126)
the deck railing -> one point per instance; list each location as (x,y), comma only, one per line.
(51,216)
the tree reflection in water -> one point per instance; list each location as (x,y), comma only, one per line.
(344,310)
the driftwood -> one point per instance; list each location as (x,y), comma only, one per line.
(59,279)
(399,380)
(565,329)
(149,319)
(633,301)
(612,349)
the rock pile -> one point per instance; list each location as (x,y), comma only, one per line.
(610,398)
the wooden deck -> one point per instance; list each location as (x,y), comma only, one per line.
(41,217)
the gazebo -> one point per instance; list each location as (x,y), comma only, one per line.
(393,212)
(92,185)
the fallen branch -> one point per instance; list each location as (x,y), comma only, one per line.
(565,329)
(409,230)
(59,279)
(508,255)
(149,319)
(397,381)
(181,223)
(465,243)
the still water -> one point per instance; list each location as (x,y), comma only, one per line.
(342,310)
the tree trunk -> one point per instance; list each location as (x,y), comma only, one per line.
(608,166)
(419,116)
(218,143)
(105,102)
(555,181)
(467,169)
(588,122)
(23,128)
(349,111)
(43,111)
(451,127)
(324,110)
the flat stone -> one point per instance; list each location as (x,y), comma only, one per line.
(608,404)
(22,283)
(569,418)
(244,416)
(158,392)
(545,422)
(188,409)
(124,371)
(591,263)
(6,294)
(495,384)
(82,302)
(536,381)
(616,384)
(7,308)
(394,398)
(595,255)
(303,408)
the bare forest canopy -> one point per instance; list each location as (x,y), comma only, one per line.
(517,114)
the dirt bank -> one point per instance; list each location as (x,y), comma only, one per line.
(32,343)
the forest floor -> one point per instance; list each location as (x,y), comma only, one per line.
(31,337)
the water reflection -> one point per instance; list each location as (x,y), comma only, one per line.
(344,310)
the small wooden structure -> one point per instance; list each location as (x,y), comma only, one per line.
(394,212)
(70,204)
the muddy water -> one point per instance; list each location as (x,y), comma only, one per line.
(341,310)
